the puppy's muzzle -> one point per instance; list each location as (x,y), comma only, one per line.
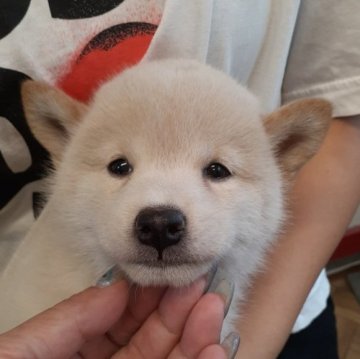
(160,227)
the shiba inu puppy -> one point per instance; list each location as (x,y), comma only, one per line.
(171,170)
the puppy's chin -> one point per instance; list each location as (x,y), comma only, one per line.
(173,275)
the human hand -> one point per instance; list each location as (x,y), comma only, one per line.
(118,322)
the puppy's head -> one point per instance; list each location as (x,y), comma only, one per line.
(171,168)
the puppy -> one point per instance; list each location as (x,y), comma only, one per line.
(171,170)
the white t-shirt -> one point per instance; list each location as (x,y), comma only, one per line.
(256,42)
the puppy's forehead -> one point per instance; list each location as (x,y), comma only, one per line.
(174,104)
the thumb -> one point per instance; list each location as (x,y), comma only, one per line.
(60,331)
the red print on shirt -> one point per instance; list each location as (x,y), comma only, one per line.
(107,54)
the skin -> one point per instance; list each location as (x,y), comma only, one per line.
(322,203)
(109,323)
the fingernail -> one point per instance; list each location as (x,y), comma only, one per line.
(231,344)
(210,278)
(224,288)
(107,279)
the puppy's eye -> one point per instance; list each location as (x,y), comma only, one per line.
(216,171)
(120,167)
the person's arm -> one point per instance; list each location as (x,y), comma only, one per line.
(324,198)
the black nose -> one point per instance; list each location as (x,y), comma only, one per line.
(160,227)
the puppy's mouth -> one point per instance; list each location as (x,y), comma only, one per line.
(162,273)
(171,270)
(163,263)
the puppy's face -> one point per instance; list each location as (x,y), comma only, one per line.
(170,170)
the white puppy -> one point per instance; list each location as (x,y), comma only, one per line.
(171,169)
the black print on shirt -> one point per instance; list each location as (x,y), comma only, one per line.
(11,14)
(39,201)
(80,9)
(11,110)
(110,37)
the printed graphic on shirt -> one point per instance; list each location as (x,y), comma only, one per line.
(108,53)
(110,36)
(38,202)
(80,9)
(11,13)
(21,156)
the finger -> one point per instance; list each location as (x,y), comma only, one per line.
(214,351)
(142,302)
(99,347)
(162,330)
(203,327)
(60,331)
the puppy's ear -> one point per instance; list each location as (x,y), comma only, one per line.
(51,114)
(296,131)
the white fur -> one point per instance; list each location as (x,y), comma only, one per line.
(170,119)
